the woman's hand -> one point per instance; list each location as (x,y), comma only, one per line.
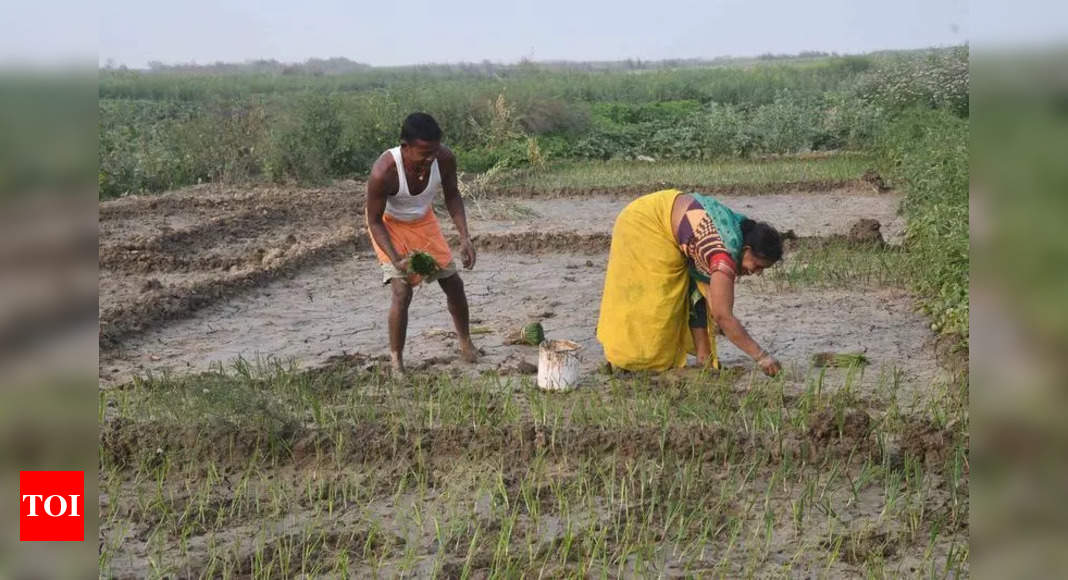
(769,365)
(720,305)
(401,264)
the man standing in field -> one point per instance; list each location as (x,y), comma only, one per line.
(404,182)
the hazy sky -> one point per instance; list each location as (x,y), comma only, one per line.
(134,32)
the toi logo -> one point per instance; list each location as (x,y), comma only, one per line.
(51,506)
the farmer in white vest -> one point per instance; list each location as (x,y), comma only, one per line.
(404,182)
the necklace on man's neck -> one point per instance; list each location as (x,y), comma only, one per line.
(420,175)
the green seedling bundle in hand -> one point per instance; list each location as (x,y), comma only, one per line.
(423,264)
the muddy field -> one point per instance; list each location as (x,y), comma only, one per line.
(194,280)
(290,273)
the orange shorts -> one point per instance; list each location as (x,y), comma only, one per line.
(423,234)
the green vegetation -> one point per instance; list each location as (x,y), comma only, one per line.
(165,129)
(841,264)
(648,177)
(925,152)
(267,472)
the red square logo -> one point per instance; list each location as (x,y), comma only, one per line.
(51,506)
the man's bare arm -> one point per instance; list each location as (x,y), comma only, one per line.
(455,205)
(453,201)
(378,187)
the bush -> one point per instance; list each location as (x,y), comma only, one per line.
(935,79)
(630,114)
(849,123)
(307,145)
(477,160)
(226,144)
(787,125)
(925,152)
(725,132)
(545,116)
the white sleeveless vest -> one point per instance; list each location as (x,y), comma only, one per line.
(407,207)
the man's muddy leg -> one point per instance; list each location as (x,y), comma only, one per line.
(398,322)
(453,287)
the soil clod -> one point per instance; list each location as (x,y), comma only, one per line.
(151,285)
(828,424)
(866,231)
(872,177)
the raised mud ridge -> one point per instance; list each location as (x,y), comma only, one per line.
(634,190)
(159,304)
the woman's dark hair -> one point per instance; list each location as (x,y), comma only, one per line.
(764,240)
(420,126)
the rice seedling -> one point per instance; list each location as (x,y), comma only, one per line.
(618,481)
(842,360)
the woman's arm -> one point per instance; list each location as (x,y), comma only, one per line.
(721,307)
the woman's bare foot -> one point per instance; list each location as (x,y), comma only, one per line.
(468,352)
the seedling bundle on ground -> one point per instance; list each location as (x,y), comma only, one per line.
(834,359)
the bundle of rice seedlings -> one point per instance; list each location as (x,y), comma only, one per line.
(834,359)
(423,263)
(531,334)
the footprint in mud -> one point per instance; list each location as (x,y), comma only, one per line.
(432,362)
(515,365)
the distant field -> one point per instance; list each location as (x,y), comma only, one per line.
(830,169)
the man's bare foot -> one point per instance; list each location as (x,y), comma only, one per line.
(468,352)
(397,366)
